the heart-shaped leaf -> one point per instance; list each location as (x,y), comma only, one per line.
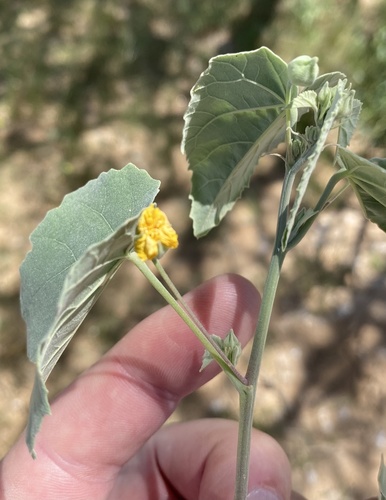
(76,250)
(368,179)
(235,115)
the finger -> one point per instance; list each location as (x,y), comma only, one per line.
(197,460)
(297,496)
(103,418)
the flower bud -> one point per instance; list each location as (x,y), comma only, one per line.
(303,70)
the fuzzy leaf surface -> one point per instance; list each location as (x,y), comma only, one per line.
(76,250)
(308,164)
(235,115)
(331,78)
(368,179)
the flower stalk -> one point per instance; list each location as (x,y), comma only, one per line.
(155,236)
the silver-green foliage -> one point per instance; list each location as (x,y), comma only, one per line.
(76,250)
(242,107)
(235,115)
(368,179)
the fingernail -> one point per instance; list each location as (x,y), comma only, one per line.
(263,494)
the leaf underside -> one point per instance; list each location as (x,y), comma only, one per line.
(235,115)
(368,179)
(76,250)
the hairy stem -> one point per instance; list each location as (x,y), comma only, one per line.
(172,287)
(246,403)
(247,397)
(236,378)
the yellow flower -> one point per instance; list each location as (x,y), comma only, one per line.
(155,234)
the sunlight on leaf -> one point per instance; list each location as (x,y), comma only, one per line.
(235,115)
(76,250)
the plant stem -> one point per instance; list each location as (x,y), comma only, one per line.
(236,378)
(164,275)
(246,404)
(247,394)
(247,397)
(264,318)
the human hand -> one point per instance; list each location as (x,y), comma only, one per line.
(104,439)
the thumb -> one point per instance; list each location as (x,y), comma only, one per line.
(199,459)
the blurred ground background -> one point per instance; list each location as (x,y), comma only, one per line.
(86,86)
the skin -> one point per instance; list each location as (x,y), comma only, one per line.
(106,439)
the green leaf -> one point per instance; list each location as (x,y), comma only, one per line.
(310,96)
(76,250)
(207,358)
(331,78)
(306,99)
(235,115)
(382,480)
(368,179)
(349,119)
